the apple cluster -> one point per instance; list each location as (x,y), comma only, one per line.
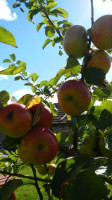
(73,95)
(76,42)
(39,144)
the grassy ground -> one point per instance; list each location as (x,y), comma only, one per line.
(28,192)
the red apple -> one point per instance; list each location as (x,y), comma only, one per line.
(15,120)
(75,41)
(46,115)
(101,32)
(100,59)
(73,97)
(39,146)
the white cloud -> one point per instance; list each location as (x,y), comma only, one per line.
(109,75)
(3,76)
(19,93)
(5,11)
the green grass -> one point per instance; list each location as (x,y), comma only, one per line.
(28,191)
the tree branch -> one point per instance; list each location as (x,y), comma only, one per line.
(36,184)
(23,176)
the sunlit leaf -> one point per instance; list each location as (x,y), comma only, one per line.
(51,4)
(12,70)
(34,76)
(7,60)
(13,57)
(107,105)
(59,11)
(47,41)
(7,37)
(4,97)
(49,31)
(39,25)
(25,99)
(35,106)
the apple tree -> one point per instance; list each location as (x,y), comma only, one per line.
(75,164)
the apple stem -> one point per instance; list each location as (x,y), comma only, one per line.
(36,183)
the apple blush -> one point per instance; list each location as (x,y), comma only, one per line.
(15,120)
(74,97)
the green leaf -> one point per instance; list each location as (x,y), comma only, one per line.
(18,78)
(47,41)
(53,109)
(94,76)
(4,97)
(59,11)
(107,105)
(11,143)
(86,186)
(100,117)
(34,76)
(60,73)
(13,57)
(7,37)
(12,70)
(102,93)
(7,60)
(71,62)
(22,64)
(15,5)
(39,25)
(44,83)
(52,4)
(25,99)
(9,187)
(32,13)
(49,31)
(66,171)
(56,40)
(33,88)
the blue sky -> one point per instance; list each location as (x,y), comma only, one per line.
(47,62)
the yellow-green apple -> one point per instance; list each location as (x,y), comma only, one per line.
(73,97)
(100,59)
(101,32)
(89,146)
(15,120)
(46,116)
(47,169)
(39,146)
(75,41)
(51,169)
(42,169)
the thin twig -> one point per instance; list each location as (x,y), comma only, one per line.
(58,32)
(92,13)
(23,176)
(36,184)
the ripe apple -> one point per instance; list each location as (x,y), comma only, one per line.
(75,41)
(73,97)
(101,32)
(46,115)
(100,59)
(39,146)
(15,120)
